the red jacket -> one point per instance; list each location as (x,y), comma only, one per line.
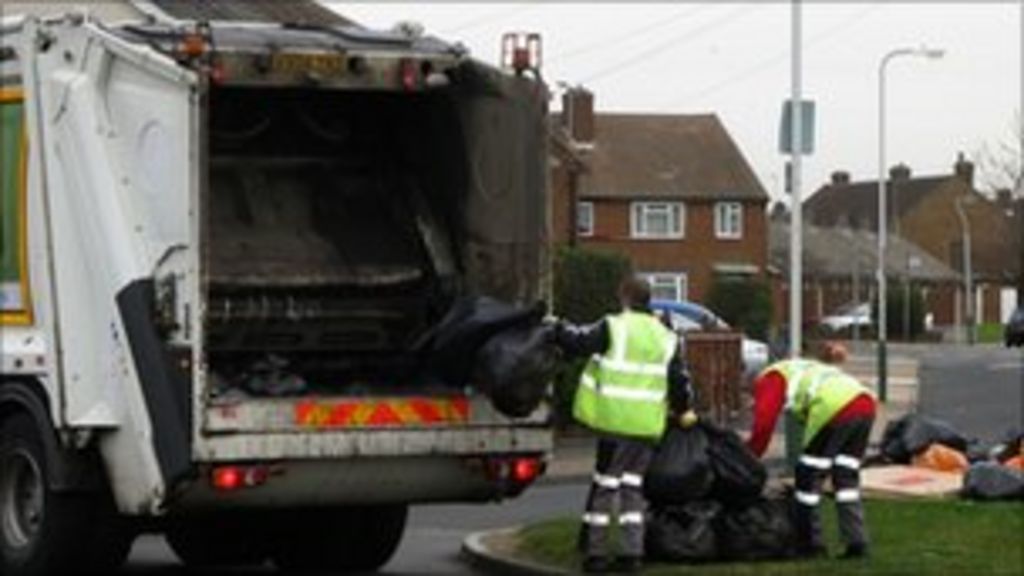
(770,397)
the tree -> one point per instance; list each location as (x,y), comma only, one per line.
(586,288)
(1002,164)
(744,303)
(999,163)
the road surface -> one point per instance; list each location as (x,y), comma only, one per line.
(976,389)
(432,540)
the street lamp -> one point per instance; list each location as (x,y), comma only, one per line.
(965,231)
(924,52)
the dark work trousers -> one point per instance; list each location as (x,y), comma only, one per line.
(618,478)
(838,448)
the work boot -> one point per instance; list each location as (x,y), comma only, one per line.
(628,564)
(597,565)
(855,552)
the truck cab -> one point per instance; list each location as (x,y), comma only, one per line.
(224,244)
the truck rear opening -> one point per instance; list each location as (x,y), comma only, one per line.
(333,236)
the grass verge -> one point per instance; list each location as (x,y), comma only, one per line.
(908,537)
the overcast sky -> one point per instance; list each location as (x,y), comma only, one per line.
(733,59)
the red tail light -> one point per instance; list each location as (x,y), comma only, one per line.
(525,470)
(231,478)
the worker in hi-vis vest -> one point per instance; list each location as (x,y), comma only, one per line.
(634,380)
(837,412)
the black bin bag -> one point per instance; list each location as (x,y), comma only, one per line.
(912,434)
(991,481)
(448,351)
(683,533)
(680,471)
(739,476)
(515,367)
(763,529)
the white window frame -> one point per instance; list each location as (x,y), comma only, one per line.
(679,280)
(640,211)
(581,208)
(724,214)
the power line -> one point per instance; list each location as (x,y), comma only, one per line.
(766,64)
(612,42)
(673,42)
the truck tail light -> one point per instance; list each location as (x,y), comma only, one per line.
(232,478)
(514,473)
(525,470)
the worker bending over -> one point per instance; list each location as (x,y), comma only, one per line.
(837,412)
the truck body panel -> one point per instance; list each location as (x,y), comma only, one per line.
(189,217)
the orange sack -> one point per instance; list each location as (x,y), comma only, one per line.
(941,458)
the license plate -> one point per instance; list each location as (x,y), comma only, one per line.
(291,63)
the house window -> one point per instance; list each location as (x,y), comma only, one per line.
(585,218)
(729,220)
(666,285)
(657,220)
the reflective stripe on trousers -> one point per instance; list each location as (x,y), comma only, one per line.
(618,481)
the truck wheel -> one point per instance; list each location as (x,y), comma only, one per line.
(214,541)
(40,531)
(344,539)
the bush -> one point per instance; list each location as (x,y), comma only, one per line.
(586,287)
(745,303)
(587,282)
(896,294)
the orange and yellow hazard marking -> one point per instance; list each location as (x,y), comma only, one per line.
(382,413)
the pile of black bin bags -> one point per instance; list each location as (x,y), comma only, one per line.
(986,479)
(705,491)
(504,351)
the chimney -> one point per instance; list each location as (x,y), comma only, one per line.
(840,178)
(1004,200)
(899,173)
(578,114)
(964,169)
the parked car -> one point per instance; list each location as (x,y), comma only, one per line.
(847,316)
(1014,332)
(687,316)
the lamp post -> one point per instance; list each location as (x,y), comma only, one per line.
(883,206)
(965,231)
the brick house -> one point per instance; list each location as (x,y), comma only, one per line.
(839,268)
(924,211)
(672,192)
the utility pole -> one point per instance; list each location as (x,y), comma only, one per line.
(1020,167)
(796,284)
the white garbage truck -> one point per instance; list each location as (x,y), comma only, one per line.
(221,242)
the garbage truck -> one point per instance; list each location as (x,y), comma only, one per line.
(221,244)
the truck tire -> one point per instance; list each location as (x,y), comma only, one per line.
(356,540)
(41,531)
(218,541)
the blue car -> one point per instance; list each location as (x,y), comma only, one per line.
(685,316)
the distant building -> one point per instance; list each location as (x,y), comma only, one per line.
(672,192)
(839,268)
(923,211)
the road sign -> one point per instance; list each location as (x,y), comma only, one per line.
(806,128)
